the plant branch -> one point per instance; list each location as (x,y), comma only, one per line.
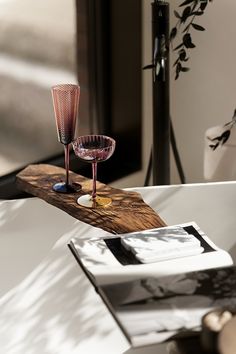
(191,10)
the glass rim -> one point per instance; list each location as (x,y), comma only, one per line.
(64,86)
(93,135)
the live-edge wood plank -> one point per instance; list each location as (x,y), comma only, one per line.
(127,213)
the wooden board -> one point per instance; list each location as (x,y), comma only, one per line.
(127,213)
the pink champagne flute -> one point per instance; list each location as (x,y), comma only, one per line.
(94,149)
(65,102)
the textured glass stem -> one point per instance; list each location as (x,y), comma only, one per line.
(66,149)
(94,169)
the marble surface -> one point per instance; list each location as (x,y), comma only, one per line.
(47,304)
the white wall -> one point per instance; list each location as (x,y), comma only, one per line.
(201,98)
(205,96)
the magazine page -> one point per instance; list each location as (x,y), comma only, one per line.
(108,257)
(153,310)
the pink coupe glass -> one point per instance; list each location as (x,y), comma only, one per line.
(94,149)
(65,102)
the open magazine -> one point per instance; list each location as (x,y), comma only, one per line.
(157,283)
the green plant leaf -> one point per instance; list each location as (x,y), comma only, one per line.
(198,27)
(178,68)
(177,14)
(225,136)
(203,5)
(184,69)
(173,33)
(186,2)
(182,54)
(220,139)
(187,41)
(186,13)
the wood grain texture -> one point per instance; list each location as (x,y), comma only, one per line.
(127,213)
